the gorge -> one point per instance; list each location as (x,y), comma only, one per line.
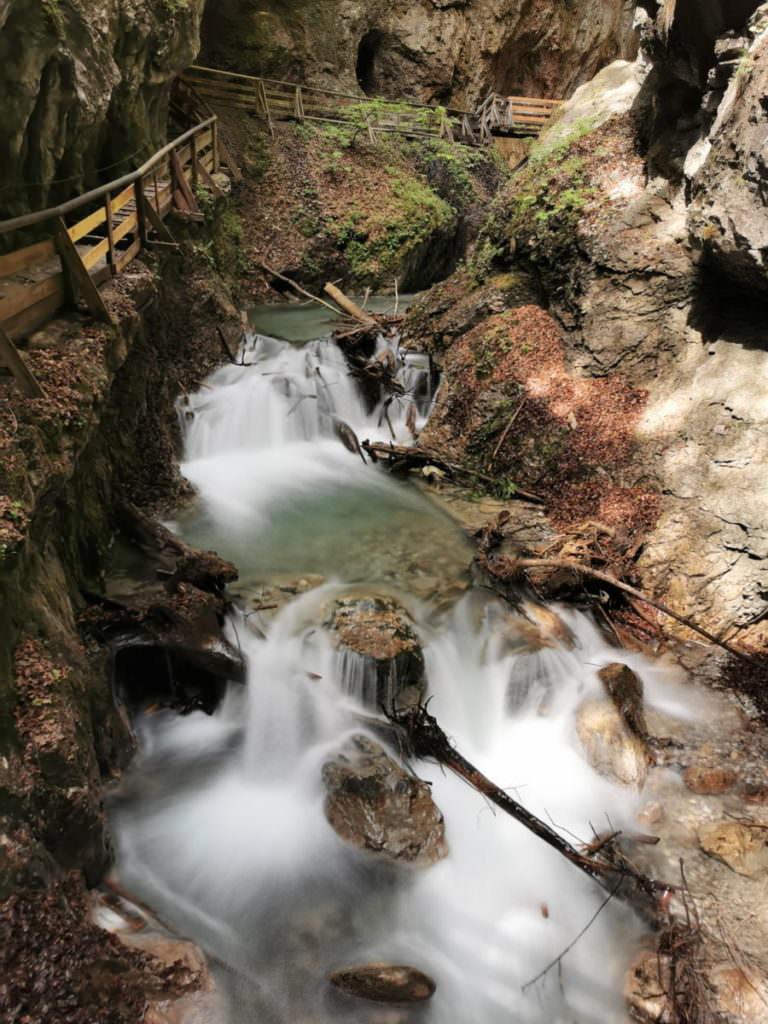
(588,335)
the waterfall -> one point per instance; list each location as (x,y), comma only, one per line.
(223,829)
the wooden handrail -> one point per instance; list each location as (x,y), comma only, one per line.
(323,92)
(100,193)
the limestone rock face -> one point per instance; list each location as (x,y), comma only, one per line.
(86,86)
(374,804)
(447,51)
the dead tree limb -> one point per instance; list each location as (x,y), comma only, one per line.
(414,458)
(299,289)
(348,305)
(585,570)
(422,737)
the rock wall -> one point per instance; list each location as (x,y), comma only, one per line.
(85,85)
(446,51)
(102,434)
(652,256)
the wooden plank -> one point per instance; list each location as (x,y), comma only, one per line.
(79,279)
(87,224)
(25,379)
(94,254)
(131,223)
(204,139)
(110,232)
(37,314)
(22,296)
(123,197)
(141,206)
(183,186)
(208,181)
(29,256)
(130,253)
(155,222)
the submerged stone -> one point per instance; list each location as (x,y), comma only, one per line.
(382,660)
(375,805)
(384,983)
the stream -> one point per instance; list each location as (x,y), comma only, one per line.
(222,828)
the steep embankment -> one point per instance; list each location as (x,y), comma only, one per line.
(641,216)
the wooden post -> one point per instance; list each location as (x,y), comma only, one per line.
(195,164)
(77,274)
(26,380)
(265,103)
(157,191)
(111,258)
(141,203)
(181,186)
(156,223)
(215,140)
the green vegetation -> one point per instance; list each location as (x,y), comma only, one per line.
(374,242)
(53,12)
(539,213)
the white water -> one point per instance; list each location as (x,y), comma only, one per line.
(224,830)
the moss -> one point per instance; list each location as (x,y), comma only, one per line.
(538,215)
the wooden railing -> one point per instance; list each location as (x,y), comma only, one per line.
(275,101)
(123,217)
(512,115)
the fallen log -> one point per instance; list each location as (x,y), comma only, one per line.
(422,737)
(348,305)
(297,287)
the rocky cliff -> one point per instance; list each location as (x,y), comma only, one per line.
(85,86)
(445,51)
(642,213)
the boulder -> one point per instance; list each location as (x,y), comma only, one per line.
(609,746)
(375,805)
(645,989)
(708,779)
(625,689)
(381,658)
(384,983)
(743,848)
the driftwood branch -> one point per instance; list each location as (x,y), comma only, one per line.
(585,570)
(349,306)
(298,288)
(421,736)
(401,456)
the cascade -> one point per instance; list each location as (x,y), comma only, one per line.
(222,828)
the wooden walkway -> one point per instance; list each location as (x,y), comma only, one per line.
(94,237)
(278,101)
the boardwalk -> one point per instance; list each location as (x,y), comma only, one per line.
(275,100)
(94,237)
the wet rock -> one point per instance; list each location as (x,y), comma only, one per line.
(742,847)
(708,779)
(384,983)
(625,689)
(382,660)
(374,804)
(609,746)
(740,991)
(645,989)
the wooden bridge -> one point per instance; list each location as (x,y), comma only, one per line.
(275,100)
(94,237)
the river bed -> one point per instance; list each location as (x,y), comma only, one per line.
(223,830)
